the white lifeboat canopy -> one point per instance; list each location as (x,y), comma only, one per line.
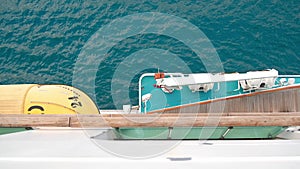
(207,78)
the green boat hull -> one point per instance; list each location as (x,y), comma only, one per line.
(10,130)
(264,132)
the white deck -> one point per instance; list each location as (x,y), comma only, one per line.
(73,148)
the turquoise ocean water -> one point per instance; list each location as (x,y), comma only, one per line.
(40,40)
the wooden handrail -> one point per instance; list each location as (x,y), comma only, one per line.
(120,114)
(153,120)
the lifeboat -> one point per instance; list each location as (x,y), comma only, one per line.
(44,99)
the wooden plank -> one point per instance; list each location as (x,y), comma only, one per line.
(189,121)
(284,99)
(163,120)
(203,114)
(155,114)
(33,121)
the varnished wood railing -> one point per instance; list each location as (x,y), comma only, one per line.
(153,120)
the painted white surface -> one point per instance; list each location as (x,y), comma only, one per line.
(202,78)
(57,148)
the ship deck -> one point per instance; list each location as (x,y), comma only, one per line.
(74,148)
